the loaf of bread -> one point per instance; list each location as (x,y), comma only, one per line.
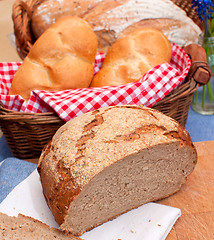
(27,228)
(48,11)
(108,17)
(62,58)
(106,162)
(177,31)
(129,58)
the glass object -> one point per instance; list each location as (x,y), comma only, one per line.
(203,98)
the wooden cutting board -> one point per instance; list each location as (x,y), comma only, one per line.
(196,199)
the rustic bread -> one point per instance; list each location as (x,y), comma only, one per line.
(177,31)
(27,228)
(108,17)
(129,58)
(106,162)
(48,11)
(62,58)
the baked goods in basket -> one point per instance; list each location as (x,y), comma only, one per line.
(62,58)
(108,161)
(129,58)
(108,18)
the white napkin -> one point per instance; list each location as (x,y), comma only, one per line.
(149,222)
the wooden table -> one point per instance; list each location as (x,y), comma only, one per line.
(196,199)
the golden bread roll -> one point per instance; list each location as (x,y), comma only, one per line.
(62,58)
(129,58)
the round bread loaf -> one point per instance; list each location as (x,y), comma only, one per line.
(106,162)
(129,58)
(62,58)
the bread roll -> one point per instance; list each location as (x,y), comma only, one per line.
(62,58)
(129,58)
(27,228)
(106,162)
(109,17)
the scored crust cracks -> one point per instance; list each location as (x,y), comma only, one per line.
(109,161)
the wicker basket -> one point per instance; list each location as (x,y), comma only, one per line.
(27,133)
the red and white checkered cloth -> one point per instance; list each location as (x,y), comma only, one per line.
(154,85)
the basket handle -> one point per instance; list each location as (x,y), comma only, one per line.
(199,70)
(21,15)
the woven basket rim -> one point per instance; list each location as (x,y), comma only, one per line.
(184,90)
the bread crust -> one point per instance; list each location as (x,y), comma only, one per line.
(62,58)
(50,11)
(130,57)
(177,31)
(109,18)
(25,227)
(88,146)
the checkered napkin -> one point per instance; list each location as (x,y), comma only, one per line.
(154,85)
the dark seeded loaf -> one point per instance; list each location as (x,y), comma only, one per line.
(27,228)
(109,161)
